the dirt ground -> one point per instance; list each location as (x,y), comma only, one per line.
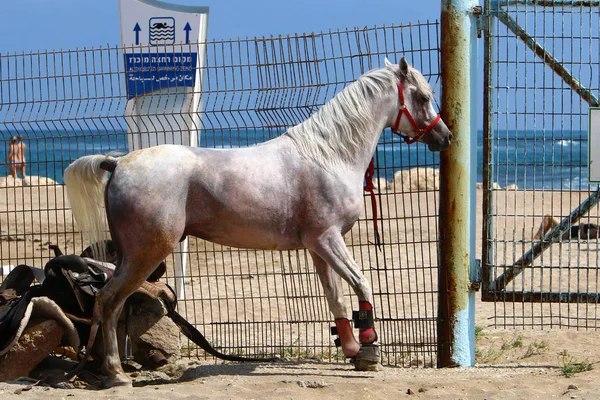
(512,373)
(511,364)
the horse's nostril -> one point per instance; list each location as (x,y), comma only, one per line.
(450,137)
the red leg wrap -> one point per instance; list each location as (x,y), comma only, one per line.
(350,346)
(366,335)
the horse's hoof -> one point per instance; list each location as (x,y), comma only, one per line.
(117,380)
(368,358)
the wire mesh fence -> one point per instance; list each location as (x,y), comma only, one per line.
(66,104)
(543,76)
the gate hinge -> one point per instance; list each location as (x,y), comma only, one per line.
(475,283)
(480,20)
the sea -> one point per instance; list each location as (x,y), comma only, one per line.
(527,159)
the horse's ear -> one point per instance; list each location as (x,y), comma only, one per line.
(403,67)
(388,63)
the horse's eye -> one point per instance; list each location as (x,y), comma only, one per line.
(425,98)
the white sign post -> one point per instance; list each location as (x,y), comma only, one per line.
(164,49)
(594,144)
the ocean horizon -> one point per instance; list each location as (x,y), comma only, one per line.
(527,159)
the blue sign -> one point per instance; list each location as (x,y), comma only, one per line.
(147,72)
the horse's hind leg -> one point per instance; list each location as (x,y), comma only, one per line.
(109,307)
(128,277)
(331,248)
(335,299)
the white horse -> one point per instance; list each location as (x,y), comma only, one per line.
(303,189)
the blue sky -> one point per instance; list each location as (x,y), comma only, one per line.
(31,25)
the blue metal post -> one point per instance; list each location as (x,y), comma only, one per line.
(456,327)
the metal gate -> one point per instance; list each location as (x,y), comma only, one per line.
(540,242)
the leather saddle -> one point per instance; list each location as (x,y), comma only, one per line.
(71,282)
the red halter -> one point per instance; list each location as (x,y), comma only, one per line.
(409,140)
(404,111)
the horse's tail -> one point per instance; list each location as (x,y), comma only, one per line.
(85,180)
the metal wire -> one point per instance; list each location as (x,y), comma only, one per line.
(70,103)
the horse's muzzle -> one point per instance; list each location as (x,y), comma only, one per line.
(439,138)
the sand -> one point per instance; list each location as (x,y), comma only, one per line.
(511,363)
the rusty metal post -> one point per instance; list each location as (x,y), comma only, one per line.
(456,310)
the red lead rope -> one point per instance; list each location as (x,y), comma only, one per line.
(371,190)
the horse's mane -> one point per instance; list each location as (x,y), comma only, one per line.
(334,134)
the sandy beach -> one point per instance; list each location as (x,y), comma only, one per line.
(511,363)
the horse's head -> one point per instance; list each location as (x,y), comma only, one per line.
(416,116)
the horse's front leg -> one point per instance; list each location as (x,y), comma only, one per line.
(331,248)
(337,306)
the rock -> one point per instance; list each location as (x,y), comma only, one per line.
(381,185)
(573,387)
(9,181)
(309,384)
(313,384)
(409,392)
(153,335)
(39,339)
(416,180)
(496,186)
(38,181)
